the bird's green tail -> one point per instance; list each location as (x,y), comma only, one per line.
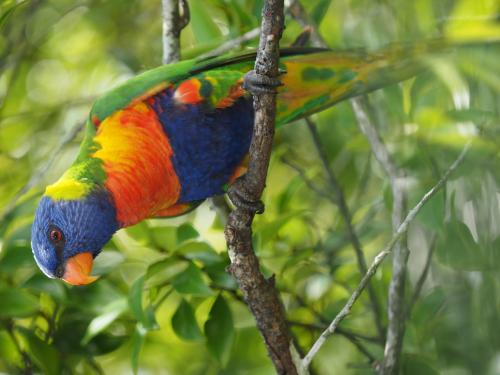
(318,80)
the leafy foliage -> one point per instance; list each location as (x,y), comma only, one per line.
(164,300)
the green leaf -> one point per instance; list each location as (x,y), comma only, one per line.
(137,343)
(217,273)
(17,303)
(42,284)
(191,282)
(432,213)
(268,231)
(45,356)
(101,322)
(145,316)
(7,11)
(320,11)
(107,262)
(201,251)
(16,255)
(456,248)
(184,322)
(164,237)
(160,272)
(219,331)
(202,23)
(186,232)
(417,365)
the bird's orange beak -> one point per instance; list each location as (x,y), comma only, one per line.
(78,269)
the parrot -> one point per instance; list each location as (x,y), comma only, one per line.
(161,143)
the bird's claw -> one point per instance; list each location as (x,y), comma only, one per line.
(239,196)
(260,84)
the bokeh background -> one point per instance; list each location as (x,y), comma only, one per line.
(165,304)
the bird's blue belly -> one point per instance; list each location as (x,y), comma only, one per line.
(208,144)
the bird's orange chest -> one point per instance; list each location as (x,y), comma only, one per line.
(136,156)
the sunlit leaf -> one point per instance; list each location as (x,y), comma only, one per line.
(137,343)
(145,316)
(202,23)
(101,322)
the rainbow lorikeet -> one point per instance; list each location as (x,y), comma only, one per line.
(164,141)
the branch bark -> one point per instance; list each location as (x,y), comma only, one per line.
(402,230)
(260,293)
(173,23)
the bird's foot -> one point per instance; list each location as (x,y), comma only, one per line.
(240,196)
(260,84)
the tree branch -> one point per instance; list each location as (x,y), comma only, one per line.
(260,294)
(173,23)
(402,230)
(396,295)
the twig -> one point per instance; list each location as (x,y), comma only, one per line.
(423,277)
(402,229)
(173,23)
(324,323)
(348,335)
(231,44)
(28,364)
(309,183)
(396,295)
(346,215)
(260,294)
(297,11)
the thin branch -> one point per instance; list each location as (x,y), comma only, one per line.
(396,295)
(260,294)
(403,228)
(231,44)
(350,337)
(297,11)
(173,23)
(325,322)
(423,276)
(28,364)
(376,144)
(346,215)
(309,183)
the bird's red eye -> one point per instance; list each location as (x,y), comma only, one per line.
(55,235)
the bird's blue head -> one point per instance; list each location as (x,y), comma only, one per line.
(67,234)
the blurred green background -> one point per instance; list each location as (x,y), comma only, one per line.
(165,304)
